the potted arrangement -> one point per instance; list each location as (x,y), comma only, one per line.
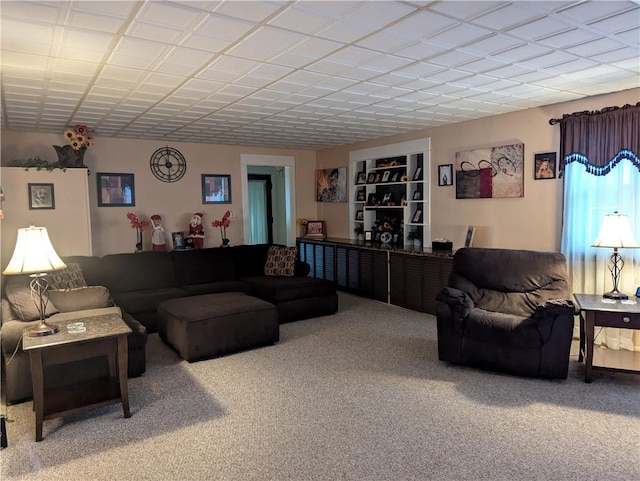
(415,235)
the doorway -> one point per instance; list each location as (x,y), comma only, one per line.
(260,209)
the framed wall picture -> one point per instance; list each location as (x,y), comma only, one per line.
(445,174)
(116,190)
(316,228)
(331,185)
(544,166)
(41,196)
(216,189)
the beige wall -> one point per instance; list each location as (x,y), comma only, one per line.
(531,222)
(175,202)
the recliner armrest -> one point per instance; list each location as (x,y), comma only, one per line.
(458,300)
(555,307)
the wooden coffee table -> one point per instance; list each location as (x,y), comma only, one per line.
(105,335)
(595,312)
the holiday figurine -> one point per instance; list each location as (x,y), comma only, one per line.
(158,242)
(196,231)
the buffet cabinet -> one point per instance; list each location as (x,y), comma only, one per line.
(403,277)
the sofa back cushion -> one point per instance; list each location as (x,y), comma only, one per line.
(510,281)
(200,266)
(137,271)
(91,267)
(249,259)
(80,298)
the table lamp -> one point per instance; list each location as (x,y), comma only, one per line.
(34,255)
(615,233)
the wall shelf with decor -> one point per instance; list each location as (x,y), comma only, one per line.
(390,191)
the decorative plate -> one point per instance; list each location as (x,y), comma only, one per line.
(386,237)
(168,164)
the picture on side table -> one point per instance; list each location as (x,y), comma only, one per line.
(316,228)
(115,190)
(41,196)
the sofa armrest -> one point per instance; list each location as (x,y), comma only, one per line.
(555,307)
(301,269)
(458,300)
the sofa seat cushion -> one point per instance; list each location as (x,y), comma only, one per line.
(502,329)
(278,289)
(216,287)
(145,301)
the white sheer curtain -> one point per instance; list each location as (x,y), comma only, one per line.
(587,199)
(257,223)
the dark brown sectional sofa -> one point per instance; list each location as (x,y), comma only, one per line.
(138,282)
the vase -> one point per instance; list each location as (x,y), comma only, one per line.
(139,241)
(225,243)
(69,157)
(417,243)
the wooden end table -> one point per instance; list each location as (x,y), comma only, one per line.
(595,312)
(105,335)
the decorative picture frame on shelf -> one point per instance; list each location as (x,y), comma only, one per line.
(371,178)
(544,166)
(385,176)
(41,196)
(387,198)
(468,240)
(216,188)
(360,195)
(316,228)
(368,235)
(417,195)
(378,178)
(417,174)
(361,178)
(417,217)
(116,190)
(359,215)
(395,177)
(445,174)
(372,199)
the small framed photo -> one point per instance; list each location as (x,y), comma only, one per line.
(418,174)
(360,195)
(41,196)
(417,195)
(395,177)
(387,198)
(360,215)
(385,176)
(361,178)
(378,178)
(417,217)
(371,178)
(372,199)
(368,235)
(468,240)
(116,190)
(316,228)
(545,166)
(445,174)
(216,189)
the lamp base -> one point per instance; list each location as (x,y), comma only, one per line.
(615,295)
(42,329)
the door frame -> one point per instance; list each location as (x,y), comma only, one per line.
(269,200)
(289,164)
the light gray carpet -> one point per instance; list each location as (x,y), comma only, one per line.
(356,396)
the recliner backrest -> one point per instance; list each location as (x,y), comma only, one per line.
(508,280)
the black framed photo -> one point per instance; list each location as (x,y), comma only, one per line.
(387,198)
(372,199)
(417,174)
(445,174)
(468,240)
(360,195)
(116,190)
(545,166)
(361,178)
(371,178)
(216,189)
(385,176)
(368,236)
(41,196)
(395,177)
(316,228)
(417,217)
(417,195)
(359,215)
(378,178)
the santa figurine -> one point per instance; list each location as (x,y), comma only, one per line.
(196,231)
(158,242)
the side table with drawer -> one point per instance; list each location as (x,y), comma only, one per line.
(596,311)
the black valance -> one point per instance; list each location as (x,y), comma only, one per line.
(599,136)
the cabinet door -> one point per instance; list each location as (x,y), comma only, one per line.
(436,274)
(347,269)
(373,275)
(406,280)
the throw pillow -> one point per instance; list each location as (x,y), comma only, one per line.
(281,261)
(18,293)
(67,278)
(81,298)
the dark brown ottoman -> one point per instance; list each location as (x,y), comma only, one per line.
(209,325)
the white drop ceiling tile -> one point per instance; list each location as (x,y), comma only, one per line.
(299,20)
(187,56)
(482,65)
(587,12)
(473,81)
(37,33)
(524,52)
(170,15)
(540,28)
(455,58)
(445,89)
(130,61)
(631,37)
(344,32)
(422,24)
(458,35)
(631,64)
(254,11)
(31,11)
(508,16)
(618,23)
(491,45)
(376,15)
(147,31)
(385,42)
(421,50)
(464,10)
(549,60)
(575,37)
(97,23)
(327,67)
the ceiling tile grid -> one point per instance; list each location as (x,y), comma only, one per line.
(303,74)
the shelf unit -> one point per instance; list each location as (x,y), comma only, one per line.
(390,187)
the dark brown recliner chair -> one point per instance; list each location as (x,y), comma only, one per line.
(507,310)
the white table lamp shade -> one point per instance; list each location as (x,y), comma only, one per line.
(33,253)
(616,232)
